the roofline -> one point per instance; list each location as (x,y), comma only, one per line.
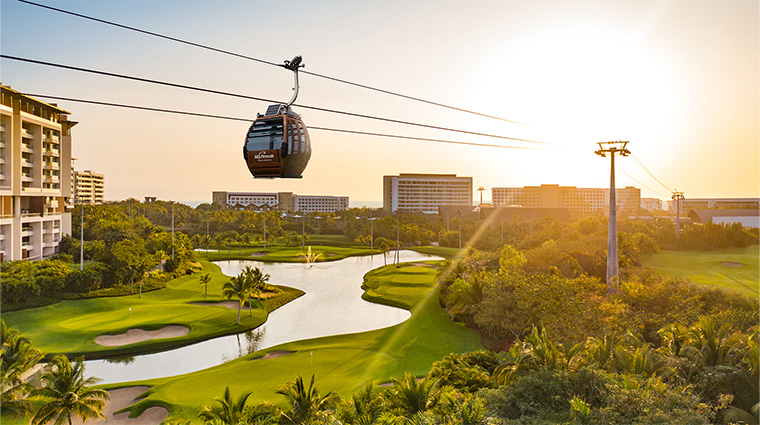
(62,111)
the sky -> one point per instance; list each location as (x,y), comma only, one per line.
(677,79)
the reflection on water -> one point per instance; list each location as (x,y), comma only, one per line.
(121,360)
(249,343)
(331,305)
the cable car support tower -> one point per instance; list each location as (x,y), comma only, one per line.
(612,148)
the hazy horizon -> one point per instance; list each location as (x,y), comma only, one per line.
(678,79)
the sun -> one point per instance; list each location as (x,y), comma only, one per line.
(578,84)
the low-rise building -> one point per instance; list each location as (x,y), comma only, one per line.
(576,200)
(651,204)
(283,201)
(706,203)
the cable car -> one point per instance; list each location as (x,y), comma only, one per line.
(277,143)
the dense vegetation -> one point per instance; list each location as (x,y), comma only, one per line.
(564,349)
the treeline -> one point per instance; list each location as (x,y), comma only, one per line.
(697,375)
(119,254)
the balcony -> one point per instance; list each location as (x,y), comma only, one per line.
(25,134)
(52,166)
(26,148)
(51,138)
(26,163)
(55,153)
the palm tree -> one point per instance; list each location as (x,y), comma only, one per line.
(229,411)
(416,395)
(205,279)
(68,393)
(305,404)
(365,406)
(236,287)
(16,358)
(708,346)
(256,280)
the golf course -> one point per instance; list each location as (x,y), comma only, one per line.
(342,363)
(734,269)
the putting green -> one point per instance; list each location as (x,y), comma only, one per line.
(342,363)
(71,327)
(735,269)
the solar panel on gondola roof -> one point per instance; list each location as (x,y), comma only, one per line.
(277,144)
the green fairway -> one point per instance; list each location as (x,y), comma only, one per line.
(440,251)
(285,254)
(341,363)
(735,269)
(71,326)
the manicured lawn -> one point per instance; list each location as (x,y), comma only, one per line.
(341,363)
(71,326)
(440,251)
(287,254)
(712,267)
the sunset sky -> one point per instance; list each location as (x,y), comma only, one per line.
(678,79)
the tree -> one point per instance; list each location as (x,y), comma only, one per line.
(304,403)
(236,287)
(16,357)
(229,411)
(205,279)
(68,393)
(255,280)
(414,395)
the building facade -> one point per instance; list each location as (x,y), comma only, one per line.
(35,176)
(579,201)
(706,203)
(425,193)
(651,204)
(89,188)
(283,201)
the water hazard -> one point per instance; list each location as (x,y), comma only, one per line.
(332,305)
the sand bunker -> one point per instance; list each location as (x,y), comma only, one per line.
(331,254)
(732,264)
(121,398)
(274,355)
(138,335)
(257,254)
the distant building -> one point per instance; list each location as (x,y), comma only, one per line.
(425,193)
(35,176)
(651,204)
(747,217)
(705,203)
(576,200)
(282,201)
(88,188)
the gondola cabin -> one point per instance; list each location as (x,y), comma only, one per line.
(277,144)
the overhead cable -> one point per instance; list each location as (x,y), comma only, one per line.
(239,55)
(640,164)
(642,184)
(224,117)
(242,96)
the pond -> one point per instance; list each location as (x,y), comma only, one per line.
(332,305)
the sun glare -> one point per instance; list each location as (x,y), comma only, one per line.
(576,86)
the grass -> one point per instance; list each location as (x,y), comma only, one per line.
(283,254)
(707,267)
(71,326)
(342,363)
(440,251)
